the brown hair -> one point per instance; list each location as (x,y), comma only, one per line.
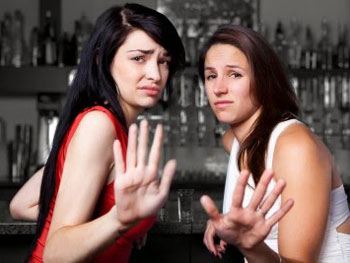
(271,89)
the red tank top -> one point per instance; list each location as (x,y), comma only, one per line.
(121,249)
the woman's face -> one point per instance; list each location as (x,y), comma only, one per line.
(228,76)
(140,69)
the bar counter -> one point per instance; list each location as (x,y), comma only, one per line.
(9,226)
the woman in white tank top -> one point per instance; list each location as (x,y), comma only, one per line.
(248,89)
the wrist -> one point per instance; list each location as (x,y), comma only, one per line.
(119,227)
(260,253)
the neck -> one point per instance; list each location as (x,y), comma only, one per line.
(131,115)
(242,129)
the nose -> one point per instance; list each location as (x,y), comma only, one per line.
(220,87)
(153,71)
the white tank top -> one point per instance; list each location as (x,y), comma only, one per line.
(336,246)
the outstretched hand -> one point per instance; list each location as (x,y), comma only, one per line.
(246,227)
(139,192)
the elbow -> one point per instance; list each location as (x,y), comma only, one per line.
(15,210)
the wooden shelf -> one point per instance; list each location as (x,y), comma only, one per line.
(8,184)
(317,72)
(29,81)
(294,72)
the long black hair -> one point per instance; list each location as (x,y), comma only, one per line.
(94,84)
(271,89)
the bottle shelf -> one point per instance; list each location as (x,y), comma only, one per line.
(317,72)
(29,81)
(302,72)
(8,184)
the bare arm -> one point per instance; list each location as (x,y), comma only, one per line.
(305,164)
(25,204)
(73,236)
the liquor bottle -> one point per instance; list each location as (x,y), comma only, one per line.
(17,39)
(325,47)
(280,43)
(6,40)
(294,50)
(49,41)
(342,49)
(83,29)
(35,52)
(309,54)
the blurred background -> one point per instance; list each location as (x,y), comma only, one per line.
(40,43)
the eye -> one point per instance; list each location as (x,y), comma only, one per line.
(165,62)
(138,58)
(210,77)
(235,74)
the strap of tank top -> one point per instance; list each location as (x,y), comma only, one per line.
(280,127)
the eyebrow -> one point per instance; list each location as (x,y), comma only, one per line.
(144,51)
(147,51)
(227,66)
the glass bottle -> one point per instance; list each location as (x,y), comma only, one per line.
(17,39)
(35,53)
(6,40)
(280,43)
(49,40)
(294,50)
(325,47)
(309,54)
(342,49)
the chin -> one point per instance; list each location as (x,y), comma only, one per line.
(225,118)
(149,103)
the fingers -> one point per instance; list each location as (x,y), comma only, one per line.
(167,177)
(238,194)
(156,148)
(271,199)
(210,207)
(260,190)
(208,239)
(278,215)
(142,143)
(118,158)
(132,144)
(222,245)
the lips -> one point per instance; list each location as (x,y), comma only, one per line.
(150,90)
(222,103)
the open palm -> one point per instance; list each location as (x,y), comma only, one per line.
(138,191)
(245,227)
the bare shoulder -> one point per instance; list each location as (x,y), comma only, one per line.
(94,136)
(298,146)
(96,123)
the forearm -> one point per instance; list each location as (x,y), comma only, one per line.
(261,253)
(83,242)
(24,205)
(30,214)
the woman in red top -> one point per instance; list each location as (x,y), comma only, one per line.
(82,214)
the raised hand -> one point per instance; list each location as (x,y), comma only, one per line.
(139,192)
(209,240)
(246,227)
